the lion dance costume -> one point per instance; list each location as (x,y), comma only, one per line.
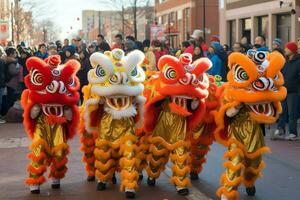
(50,117)
(251,96)
(175,106)
(112,114)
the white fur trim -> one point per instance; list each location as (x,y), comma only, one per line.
(86,113)
(140,101)
(117,90)
(102,60)
(119,114)
(34,187)
(133,59)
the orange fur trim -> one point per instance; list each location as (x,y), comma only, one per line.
(53,119)
(234,183)
(153,174)
(104,166)
(87,150)
(229,165)
(158,152)
(58,174)
(125,162)
(129,185)
(181,171)
(42,156)
(37,171)
(180,183)
(105,177)
(35,181)
(155,163)
(232,195)
(103,155)
(181,159)
(126,175)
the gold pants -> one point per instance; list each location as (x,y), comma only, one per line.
(48,148)
(244,165)
(169,138)
(116,150)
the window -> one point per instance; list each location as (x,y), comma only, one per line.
(284,27)
(246,28)
(231,37)
(263,23)
(187,20)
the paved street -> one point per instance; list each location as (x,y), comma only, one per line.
(281,179)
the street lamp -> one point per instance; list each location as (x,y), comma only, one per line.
(204,15)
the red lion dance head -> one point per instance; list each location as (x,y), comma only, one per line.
(54,87)
(184,84)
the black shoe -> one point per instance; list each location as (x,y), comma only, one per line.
(251,191)
(55,186)
(90,178)
(141,177)
(114,179)
(130,195)
(150,181)
(101,186)
(194,176)
(35,191)
(183,191)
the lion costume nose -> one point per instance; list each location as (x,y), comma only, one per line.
(263,83)
(188,79)
(55,86)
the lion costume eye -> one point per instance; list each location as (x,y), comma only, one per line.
(36,77)
(100,72)
(240,74)
(134,72)
(71,82)
(170,73)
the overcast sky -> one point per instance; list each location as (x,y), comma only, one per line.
(64,13)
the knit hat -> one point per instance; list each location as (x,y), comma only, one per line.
(292,46)
(277,41)
(216,46)
(215,38)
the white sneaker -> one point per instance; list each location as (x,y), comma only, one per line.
(277,134)
(223,197)
(2,121)
(291,137)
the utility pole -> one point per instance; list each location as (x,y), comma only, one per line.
(123,20)
(99,21)
(134,18)
(12,20)
(204,21)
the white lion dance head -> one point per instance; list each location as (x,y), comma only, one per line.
(118,81)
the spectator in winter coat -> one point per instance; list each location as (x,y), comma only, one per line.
(42,52)
(291,74)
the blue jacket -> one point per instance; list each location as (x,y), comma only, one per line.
(41,55)
(216,65)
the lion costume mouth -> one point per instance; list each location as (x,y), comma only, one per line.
(185,102)
(119,102)
(53,109)
(266,109)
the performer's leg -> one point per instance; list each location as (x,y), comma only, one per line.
(40,152)
(37,166)
(142,154)
(88,146)
(60,151)
(231,179)
(253,167)
(181,168)
(104,163)
(199,149)
(157,159)
(128,165)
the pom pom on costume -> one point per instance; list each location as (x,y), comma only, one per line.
(174,108)
(50,116)
(251,96)
(111,115)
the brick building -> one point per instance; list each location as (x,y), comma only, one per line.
(181,18)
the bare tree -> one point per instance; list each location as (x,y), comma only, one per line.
(132,7)
(49,29)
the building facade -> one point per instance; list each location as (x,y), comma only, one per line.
(269,18)
(110,23)
(181,18)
